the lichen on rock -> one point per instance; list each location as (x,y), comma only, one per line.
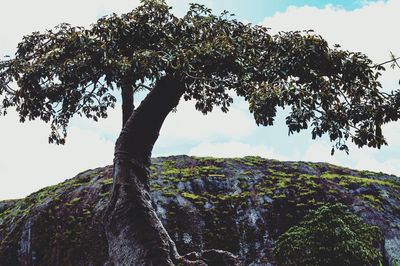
(241,205)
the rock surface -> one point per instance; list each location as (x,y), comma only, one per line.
(240,205)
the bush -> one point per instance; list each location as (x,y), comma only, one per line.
(329,236)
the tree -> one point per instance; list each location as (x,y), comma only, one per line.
(74,71)
(331,235)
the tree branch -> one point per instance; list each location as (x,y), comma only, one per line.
(143,86)
(389,61)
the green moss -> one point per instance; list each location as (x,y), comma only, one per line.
(199,202)
(218,199)
(307,177)
(242,179)
(209,159)
(190,196)
(63,222)
(243,185)
(347,180)
(282,183)
(312,202)
(251,160)
(294,192)
(105,194)
(23,206)
(307,193)
(367,173)
(224,197)
(216,175)
(257,160)
(246,173)
(279,196)
(165,188)
(333,191)
(311,184)
(167,164)
(207,169)
(312,165)
(175,180)
(276,173)
(374,200)
(168,194)
(172,171)
(279,180)
(190,171)
(75,200)
(155,186)
(264,190)
(107,181)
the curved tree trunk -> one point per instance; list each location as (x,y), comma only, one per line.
(134,232)
(127,102)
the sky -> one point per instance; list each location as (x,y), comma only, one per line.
(28,162)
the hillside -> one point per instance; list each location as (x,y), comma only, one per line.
(241,205)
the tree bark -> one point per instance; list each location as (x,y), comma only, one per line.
(127,102)
(135,234)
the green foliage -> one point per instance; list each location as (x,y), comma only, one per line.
(72,70)
(329,236)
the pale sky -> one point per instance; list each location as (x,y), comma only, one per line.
(28,162)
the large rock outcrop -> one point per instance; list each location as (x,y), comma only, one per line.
(240,205)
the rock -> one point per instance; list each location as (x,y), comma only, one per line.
(392,249)
(207,205)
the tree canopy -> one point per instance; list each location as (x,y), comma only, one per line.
(71,71)
(330,235)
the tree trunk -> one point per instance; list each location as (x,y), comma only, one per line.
(127,101)
(134,232)
(135,235)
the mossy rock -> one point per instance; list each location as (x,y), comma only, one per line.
(241,205)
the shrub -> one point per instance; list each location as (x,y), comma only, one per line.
(329,236)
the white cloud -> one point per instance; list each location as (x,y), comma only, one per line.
(180,7)
(320,152)
(390,166)
(371,29)
(391,132)
(188,124)
(362,159)
(21,17)
(27,162)
(234,149)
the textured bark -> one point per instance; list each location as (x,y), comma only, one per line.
(127,102)
(135,234)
